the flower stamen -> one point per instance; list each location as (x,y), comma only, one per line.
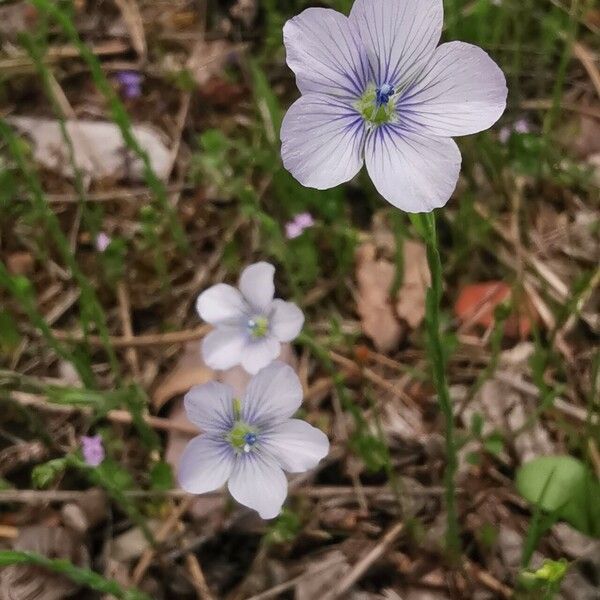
(258,326)
(242,437)
(378,105)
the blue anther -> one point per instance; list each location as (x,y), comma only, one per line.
(250,438)
(383,94)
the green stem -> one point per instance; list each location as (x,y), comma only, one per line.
(79,575)
(425,224)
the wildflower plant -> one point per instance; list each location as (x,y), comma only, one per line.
(250,442)
(377,89)
(250,324)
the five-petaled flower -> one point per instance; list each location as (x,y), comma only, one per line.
(249,324)
(250,442)
(378,90)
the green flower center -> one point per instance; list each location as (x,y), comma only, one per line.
(242,437)
(377,106)
(258,326)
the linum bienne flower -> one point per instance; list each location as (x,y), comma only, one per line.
(377,89)
(250,442)
(250,324)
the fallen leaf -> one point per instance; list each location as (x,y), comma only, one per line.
(189,371)
(209,59)
(503,410)
(129,545)
(476,304)
(28,582)
(375,278)
(98,146)
(417,278)
(245,11)
(319,575)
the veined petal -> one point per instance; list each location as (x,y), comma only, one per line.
(205,465)
(273,395)
(413,172)
(257,286)
(326,54)
(259,483)
(210,407)
(462,91)
(296,445)
(221,303)
(259,353)
(223,347)
(286,320)
(400,36)
(322,141)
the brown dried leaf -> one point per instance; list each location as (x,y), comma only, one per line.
(245,11)
(319,575)
(375,278)
(27,582)
(417,278)
(189,371)
(98,148)
(209,58)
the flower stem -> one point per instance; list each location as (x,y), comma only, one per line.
(426,226)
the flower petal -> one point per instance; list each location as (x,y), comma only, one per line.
(412,172)
(296,445)
(205,465)
(257,286)
(400,36)
(286,320)
(259,353)
(322,141)
(223,347)
(324,51)
(210,406)
(462,91)
(259,483)
(221,303)
(273,395)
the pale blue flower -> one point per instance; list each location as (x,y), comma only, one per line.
(378,90)
(250,324)
(249,443)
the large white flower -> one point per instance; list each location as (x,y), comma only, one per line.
(378,90)
(249,324)
(250,442)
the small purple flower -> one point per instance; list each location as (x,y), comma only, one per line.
(521,126)
(293,230)
(377,89)
(102,241)
(130,83)
(250,324)
(298,224)
(249,443)
(93,449)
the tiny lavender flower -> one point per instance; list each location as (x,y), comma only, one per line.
(93,450)
(300,222)
(250,442)
(377,90)
(520,126)
(130,83)
(249,324)
(102,241)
